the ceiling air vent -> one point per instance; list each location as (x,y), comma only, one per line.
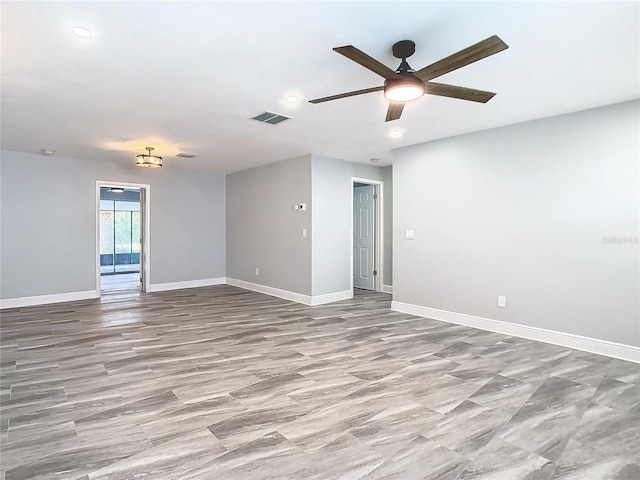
(186,155)
(270,117)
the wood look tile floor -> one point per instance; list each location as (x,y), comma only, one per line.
(119,282)
(222,383)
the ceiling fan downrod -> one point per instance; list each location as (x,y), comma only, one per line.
(403,50)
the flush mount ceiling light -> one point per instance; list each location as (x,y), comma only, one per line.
(47,153)
(116,190)
(81,32)
(148,160)
(292,99)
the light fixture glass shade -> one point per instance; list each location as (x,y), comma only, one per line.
(403,89)
(147,160)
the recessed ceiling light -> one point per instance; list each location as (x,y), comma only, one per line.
(47,152)
(81,32)
(396,133)
(292,99)
(375,160)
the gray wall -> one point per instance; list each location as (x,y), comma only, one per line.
(388,225)
(265,232)
(48,223)
(521,211)
(263,229)
(331,215)
(331,225)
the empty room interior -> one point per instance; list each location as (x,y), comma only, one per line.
(320,240)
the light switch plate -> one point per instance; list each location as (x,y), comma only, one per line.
(408,234)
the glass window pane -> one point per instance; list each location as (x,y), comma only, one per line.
(106,233)
(129,206)
(135,232)
(123,232)
(106,204)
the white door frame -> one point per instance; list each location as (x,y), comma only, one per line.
(378,231)
(145,254)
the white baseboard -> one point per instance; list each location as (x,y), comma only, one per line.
(274,292)
(45,299)
(206,282)
(162,287)
(331,297)
(387,288)
(621,351)
(292,296)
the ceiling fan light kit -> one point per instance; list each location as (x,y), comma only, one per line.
(148,160)
(403,89)
(406,84)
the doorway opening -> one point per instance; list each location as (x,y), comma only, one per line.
(122,238)
(367,228)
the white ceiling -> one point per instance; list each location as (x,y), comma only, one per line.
(187,76)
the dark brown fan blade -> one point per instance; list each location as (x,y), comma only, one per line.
(394,111)
(476,52)
(366,61)
(454,91)
(345,95)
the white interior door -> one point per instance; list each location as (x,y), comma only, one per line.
(363,237)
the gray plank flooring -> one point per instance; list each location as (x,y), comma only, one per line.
(119,282)
(222,383)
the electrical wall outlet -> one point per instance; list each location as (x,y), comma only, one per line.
(502,301)
(257,271)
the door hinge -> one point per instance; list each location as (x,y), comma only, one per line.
(375,272)
(375,196)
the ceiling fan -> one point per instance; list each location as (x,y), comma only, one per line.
(406,84)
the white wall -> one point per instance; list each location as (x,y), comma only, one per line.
(521,211)
(48,223)
(263,229)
